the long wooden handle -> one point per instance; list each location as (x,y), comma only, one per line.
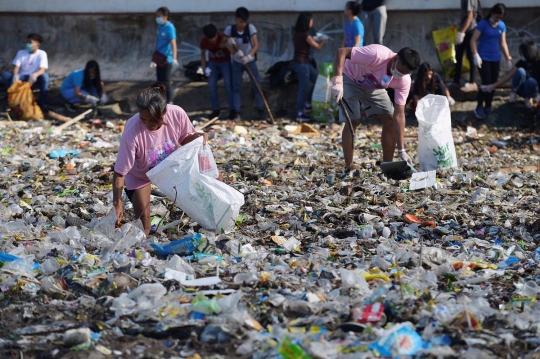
(209,123)
(261,92)
(75,120)
(59,117)
(258,88)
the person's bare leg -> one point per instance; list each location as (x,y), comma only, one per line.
(347,142)
(141,206)
(388,140)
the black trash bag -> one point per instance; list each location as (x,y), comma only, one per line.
(191,71)
(398,170)
(281,74)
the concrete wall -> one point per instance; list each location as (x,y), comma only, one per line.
(123,44)
(206,6)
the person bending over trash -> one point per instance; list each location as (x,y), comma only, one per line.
(30,65)
(149,137)
(84,85)
(366,73)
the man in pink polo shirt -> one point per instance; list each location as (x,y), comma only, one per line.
(365,74)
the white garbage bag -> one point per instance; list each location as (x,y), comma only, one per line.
(435,143)
(209,202)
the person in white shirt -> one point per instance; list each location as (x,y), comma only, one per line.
(31,65)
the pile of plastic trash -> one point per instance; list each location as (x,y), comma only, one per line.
(322,263)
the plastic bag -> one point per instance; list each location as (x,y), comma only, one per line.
(209,202)
(401,340)
(435,142)
(207,163)
(323,108)
(444,43)
(22,103)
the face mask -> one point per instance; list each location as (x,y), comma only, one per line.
(159,20)
(395,72)
(492,21)
(29,47)
(523,58)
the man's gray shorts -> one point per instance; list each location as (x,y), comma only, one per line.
(376,102)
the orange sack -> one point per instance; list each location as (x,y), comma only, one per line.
(22,103)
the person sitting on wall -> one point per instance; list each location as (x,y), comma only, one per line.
(30,66)
(429,82)
(84,85)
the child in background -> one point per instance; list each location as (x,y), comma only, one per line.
(219,62)
(84,85)
(243,44)
(354,30)
(525,75)
(31,65)
(303,42)
(429,82)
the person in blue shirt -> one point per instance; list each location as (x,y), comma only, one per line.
(354,30)
(485,42)
(165,56)
(84,85)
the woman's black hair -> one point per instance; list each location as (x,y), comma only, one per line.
(530,51)
(165,12)
(88,83)
(302,23)
(499,9)
(154,100)
(355,7)
(422,70)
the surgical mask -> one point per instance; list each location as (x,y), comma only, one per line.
(492,21)
(395,72)
(29,47)
(159,20)
(523,58)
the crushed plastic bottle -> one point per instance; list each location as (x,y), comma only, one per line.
(183,247)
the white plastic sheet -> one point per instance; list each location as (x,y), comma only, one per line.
(209,202)
(435,142)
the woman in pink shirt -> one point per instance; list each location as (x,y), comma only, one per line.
(149,137)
